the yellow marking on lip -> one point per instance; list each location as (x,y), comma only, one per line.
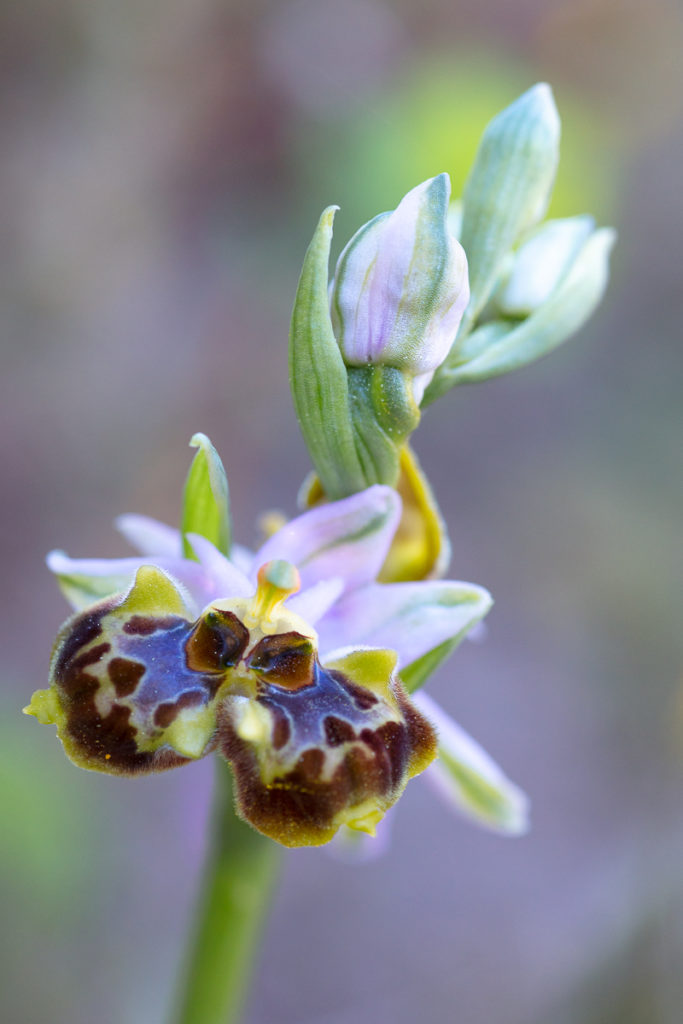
(254,724)
(44,706)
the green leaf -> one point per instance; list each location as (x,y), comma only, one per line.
(206,500)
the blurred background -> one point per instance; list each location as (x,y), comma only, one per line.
(164,165)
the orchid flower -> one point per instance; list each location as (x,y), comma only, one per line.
(326,646)
(298,664)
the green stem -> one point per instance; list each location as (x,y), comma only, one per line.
(236,892)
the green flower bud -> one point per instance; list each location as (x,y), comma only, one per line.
(508,188)
(502,345)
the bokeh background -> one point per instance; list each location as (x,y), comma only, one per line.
(164,164)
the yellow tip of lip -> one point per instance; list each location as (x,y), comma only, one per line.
(43,707)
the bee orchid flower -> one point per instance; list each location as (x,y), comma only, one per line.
(288,661)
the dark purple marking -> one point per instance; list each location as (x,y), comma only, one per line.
(154,670)
(363,698)
(167,713)
(74,677)
(144,625)
(298,806)
(125,675)
(281,727)
(77,633)
(338,731)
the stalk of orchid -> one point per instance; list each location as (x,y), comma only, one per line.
(297,664)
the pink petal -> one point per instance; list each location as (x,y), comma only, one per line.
(85,580)
(227,579)
(347,539)
(409,618)
(314,603)
(149,536)
(469,780)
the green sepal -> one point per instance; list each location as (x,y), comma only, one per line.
(416,674)
(81,590)
(503,346)
(317,374)
(355,420)
(485,801)
(508,188)
(384,414)
(206,499)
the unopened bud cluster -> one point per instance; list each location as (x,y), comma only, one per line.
(412,311)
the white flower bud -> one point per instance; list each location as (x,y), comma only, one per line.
(400,286)
(540,263)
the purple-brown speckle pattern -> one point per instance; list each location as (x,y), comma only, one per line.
(120,682)
(318,748)
(345,748)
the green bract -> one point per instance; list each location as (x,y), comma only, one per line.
(317,374)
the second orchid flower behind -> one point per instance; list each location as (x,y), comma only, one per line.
(286,662)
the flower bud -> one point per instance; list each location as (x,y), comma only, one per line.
(501,346)
(539,264)
(363,350)
(400,285)
(508,188)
